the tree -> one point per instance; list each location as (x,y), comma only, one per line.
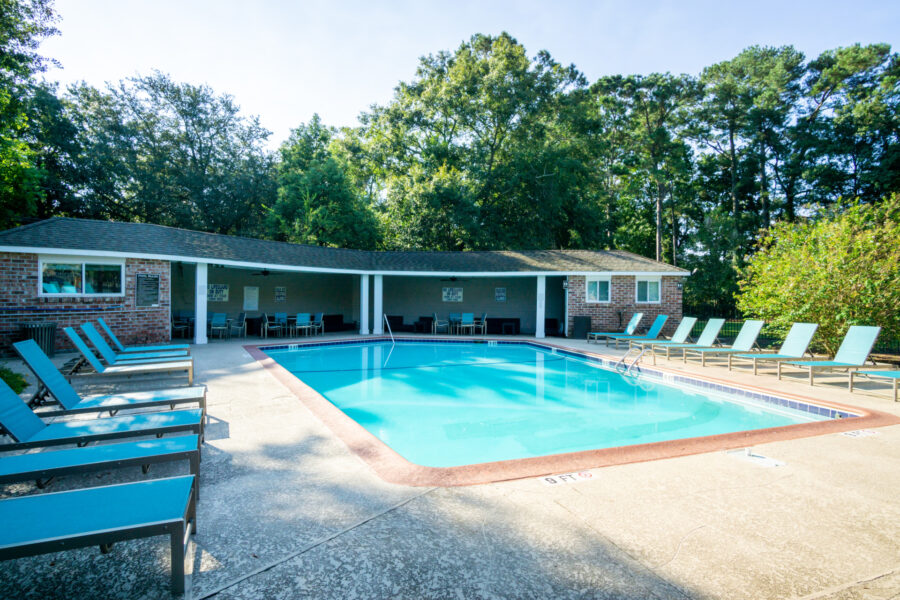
(842,269)
(317,202)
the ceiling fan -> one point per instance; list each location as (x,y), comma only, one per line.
(453,279)
(264,273)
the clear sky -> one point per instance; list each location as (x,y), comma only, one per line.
(285,60)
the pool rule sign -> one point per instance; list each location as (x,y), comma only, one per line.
(147,290)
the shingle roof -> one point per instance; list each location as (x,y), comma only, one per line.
(147,239)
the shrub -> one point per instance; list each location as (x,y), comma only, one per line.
(840,269)
(13,379)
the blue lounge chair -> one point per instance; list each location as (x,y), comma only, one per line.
(652,333)
(28,430)
(893,376)
(161,365)
(794,347)
(629,329)
(706,339)
(679,336)
(743,342)
(109,355)
(149,348)
(54,383)
(41,467)
(851,355)
(101,516)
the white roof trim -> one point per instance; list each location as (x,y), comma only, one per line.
(305,269)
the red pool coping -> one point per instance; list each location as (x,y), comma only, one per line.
(393,468)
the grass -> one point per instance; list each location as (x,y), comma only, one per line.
(15,380)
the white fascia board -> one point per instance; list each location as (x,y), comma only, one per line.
(304,269)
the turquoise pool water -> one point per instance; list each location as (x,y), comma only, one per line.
(451,404)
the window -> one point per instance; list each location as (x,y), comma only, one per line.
(597,289)
(647,290)
(65,276)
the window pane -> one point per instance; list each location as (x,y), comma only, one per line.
(603,291)
(641,291)
(102,279)
(591,291)
(652,291)
(62,278)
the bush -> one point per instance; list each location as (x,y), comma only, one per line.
(838,270)
(13,379)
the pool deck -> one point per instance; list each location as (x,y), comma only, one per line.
(287,510)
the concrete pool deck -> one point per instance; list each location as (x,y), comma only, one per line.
(287,511)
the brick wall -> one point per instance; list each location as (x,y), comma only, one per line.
(19,302)
(606,316)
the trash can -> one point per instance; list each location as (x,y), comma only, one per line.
(42,332)
(582,326)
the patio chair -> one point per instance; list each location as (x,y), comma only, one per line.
(150,348)
(219,323)
(629,329)
(679,336)
(454,320)
(41,467)
(743,342)
(181,328)
(28,430)
(102,516)
(652,333)
(794,347)
(893,376)
(481,324)
(439,324)
(318,323)
(851,355)
(238,326)
(466,322)
(53,382)
(160,365)
(706,339)
(107,353)
(303,323)
(266,325)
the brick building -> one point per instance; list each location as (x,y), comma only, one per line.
(136,275)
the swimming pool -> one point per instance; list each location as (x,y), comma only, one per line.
(446,404)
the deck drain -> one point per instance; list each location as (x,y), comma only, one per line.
(758,459)
(857,433)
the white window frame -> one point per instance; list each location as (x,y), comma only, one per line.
(657,280)
(598,279)
(83,260)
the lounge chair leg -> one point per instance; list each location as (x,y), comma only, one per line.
(105,548)
(895,390)
(42,483)
(177,545)
(729,362)
(756,366)
(810,376)
(779,370)
(145,469)
(850,382)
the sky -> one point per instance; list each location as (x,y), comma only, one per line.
(286,60)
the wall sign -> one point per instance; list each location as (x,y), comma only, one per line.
(500,294)
(146,292)
(280,293)
(217,292)
(251,297)
(452,294)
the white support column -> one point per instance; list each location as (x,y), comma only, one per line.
(566,306)
(377,312)
(541,303)
(200,304)
(364,305)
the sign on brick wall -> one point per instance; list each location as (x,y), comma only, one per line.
(147,290)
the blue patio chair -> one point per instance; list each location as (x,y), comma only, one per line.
(706,339)
(437,324)
(102,515)
(318,323)
(150,348)
(53,382)
(743,342)
(269,325)
(219,323)
(238,326)
(112,358)
(629,329)
(454,320)
(303,323)
(852,354)
(481,324)
(28,430)
(160,365)
(795,345)
(652,333)
(466,322)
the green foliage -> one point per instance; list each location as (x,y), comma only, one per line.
(838,270)
(14,380)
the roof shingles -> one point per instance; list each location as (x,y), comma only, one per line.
(146,239)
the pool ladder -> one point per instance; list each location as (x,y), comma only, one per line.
(625,369)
